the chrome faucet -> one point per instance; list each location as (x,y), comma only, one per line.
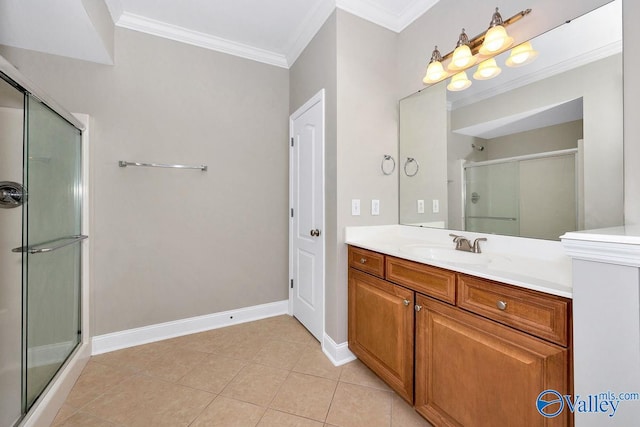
(463,244)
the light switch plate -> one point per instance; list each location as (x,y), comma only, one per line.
(375,207)
(436,206)
(355,207)
(420,206)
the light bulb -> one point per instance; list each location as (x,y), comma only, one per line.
(459,82)
(462,58)
(435,73)
(487,70)
(521,55)
(496,38)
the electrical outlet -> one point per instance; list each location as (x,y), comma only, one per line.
(375,207)
(420,206)
(355,207)
(436,206)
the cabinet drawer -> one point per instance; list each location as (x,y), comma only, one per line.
(367,261)
(432,281)
(542,315)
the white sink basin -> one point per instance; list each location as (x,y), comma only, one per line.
(446,254)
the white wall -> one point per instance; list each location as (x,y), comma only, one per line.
(171,244)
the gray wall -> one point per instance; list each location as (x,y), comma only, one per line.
(172,244)
(367,129)
(314,70)
(354,60)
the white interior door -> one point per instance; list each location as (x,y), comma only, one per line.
(306,247)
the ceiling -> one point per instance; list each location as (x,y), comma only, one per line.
(273,32)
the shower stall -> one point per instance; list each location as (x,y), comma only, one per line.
(505,196)
(41,196)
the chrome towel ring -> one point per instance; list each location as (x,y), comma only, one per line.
(411,160)
(393,164)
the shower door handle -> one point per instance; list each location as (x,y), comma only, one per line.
(48,247)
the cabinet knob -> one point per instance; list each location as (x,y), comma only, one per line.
(406,302)
(418,307)
(363,260)
(501,305)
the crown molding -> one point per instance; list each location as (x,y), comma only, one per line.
(384,18)
(307,30)
(196,38)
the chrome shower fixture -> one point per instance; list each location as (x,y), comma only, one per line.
(477,147)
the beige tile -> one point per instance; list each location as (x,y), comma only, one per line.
(314,362)
(243,346)
(305,395)
(135,358)
(256,384)
(63,414)
(226,412)
(273,418)
(403,414)
(359,406)
(280,354)
(146,401)
(174,364)
(289,329)
(213,373)
(95,380)
(357,373)
(206,341)
(80,419)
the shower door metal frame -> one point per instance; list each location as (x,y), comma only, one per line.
(47,405)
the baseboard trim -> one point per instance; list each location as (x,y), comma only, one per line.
(338,354)
(161,331)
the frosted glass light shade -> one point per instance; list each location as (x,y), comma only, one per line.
(521,55)
(459,82)
(435,73)
(496,40)
(462,58)
(487,70)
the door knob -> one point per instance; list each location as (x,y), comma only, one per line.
(315,233)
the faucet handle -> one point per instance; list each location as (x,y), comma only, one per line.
(476,244)
(456,237)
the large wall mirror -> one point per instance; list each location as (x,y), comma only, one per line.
(534,152)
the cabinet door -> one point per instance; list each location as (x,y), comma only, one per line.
(471,371)
(381,329)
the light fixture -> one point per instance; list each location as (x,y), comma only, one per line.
(521,55)
(435,70)
(496,39)
(483,46)
(462,56)
(487,70)
(459,82)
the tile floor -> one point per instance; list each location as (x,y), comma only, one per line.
(266,373)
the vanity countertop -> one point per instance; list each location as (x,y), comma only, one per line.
(539,265)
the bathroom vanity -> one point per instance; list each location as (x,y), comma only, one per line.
(467,338)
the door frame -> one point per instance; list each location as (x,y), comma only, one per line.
(318,97)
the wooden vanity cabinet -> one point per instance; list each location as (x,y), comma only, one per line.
(484,350)
(471,371)
(381,329)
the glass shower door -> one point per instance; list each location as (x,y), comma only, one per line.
(51,249)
